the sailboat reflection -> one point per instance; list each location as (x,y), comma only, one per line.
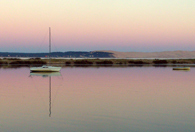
(47,74)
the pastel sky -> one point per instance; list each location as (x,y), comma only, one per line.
(87,25)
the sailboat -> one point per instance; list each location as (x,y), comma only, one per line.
(46,68)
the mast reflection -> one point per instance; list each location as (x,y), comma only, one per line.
(49,96)
(47,74)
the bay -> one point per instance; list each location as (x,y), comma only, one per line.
(97,100)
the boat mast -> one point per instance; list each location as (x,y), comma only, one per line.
(49,44)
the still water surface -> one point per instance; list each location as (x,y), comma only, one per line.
(136,99)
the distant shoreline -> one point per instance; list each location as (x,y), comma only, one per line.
(105,54)
(63,58)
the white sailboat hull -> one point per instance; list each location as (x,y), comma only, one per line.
(45,69)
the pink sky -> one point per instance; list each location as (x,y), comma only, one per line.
(121,25)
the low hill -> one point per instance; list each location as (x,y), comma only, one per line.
(165,54)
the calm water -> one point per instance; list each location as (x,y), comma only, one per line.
(145,99)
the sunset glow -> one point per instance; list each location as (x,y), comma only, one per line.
(121,25)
